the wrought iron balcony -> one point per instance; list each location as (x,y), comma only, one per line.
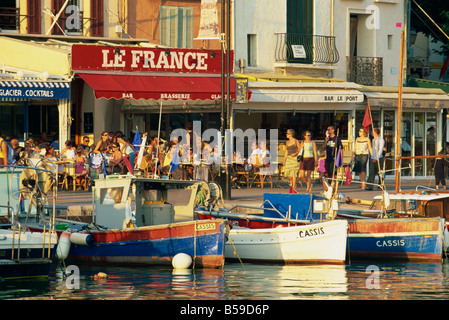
(315,49)
(367,71)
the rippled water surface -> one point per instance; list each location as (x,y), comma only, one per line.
(241,282)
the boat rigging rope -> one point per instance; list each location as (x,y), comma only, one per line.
(232,243)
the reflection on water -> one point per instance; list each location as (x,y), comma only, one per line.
(285,282)
(253,281)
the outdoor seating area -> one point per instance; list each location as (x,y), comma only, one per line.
(75,168)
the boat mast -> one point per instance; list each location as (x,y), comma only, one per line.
(399,119)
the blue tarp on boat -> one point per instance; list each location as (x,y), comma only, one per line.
(301,205)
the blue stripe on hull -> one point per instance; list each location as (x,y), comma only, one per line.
(418,246)
(25,253)
(150,250)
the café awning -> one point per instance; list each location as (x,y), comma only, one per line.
(34,89)
(156,87)
(412,98)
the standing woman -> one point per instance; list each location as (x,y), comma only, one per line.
(291,165)
(310,160)
(360,155)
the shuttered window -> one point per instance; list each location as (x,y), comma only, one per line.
(34,16)
(97,21)
(176,26)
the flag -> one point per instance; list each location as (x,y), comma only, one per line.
(367,119)
(444,68)
(348,175)
(137,142)
(174,163)
(338,160)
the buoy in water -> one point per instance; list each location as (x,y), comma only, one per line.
(63,248)
(181,261)
(100,275)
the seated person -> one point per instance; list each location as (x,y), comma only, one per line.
(116,161)
(69,151)
(17,149)
(80,169)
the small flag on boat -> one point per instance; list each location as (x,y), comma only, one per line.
(348,175)
(338,160)
(367,119)
(137,141)
(174,163)
(444,68)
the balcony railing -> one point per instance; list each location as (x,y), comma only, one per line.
(313,48)
(9,18)
(366,71)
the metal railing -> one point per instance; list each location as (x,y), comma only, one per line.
(9,18)
(367,71)
(317,49)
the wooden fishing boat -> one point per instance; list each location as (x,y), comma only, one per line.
(25,253)
(426,206)
(16,243)
(286,239)
(24,268)
(409,239)
(149,245)
(152,234)
(320,243)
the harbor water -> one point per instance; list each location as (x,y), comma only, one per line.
(236,281)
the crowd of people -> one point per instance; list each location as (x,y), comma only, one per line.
(303,157)
(115,153)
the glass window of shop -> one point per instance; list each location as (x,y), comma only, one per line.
(11,119)
(418,138)
(316,123)
(44,118)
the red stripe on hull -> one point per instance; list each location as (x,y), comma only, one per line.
(392,226)
(154,232)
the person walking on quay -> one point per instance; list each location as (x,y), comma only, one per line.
(361,154)
(310,160)
(438,169)
(332,143)
(290,163)
(377,159)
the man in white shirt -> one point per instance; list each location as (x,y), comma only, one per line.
(377,158)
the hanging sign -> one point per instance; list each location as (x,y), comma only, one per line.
(298,51)
(123,58)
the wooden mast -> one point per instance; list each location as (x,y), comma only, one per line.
(399,119)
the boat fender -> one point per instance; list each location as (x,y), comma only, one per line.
(214,192)
(63,248)
(84,239)
(181,261)
(445,239)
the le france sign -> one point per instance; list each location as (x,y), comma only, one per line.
(127,58)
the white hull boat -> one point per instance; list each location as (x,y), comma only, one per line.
(17,244)
(318,243)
